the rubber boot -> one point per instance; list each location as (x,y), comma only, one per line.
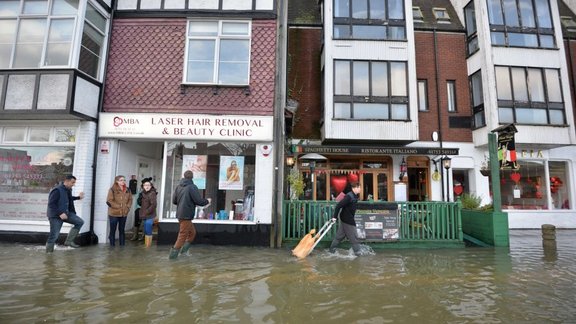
(134,233)
(148,240)
(49,247)
(185,248)
(173,254)
(70,238)
(141,231)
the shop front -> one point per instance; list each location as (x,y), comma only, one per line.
(540,190)
(231,157)
(385,173)
(34,157)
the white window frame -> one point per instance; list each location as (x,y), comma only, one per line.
(217,38)
(451,95)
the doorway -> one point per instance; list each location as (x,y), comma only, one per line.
(418,175)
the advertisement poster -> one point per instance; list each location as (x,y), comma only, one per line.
(231,175)
(377,222)
(197,164)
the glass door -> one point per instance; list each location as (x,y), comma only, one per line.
(374,186)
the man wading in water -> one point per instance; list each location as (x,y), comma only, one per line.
(346,209)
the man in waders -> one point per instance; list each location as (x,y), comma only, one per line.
(345,209)
(61,209)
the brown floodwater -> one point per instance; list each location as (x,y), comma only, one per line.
(525,283)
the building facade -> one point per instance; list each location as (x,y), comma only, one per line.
(190,85)
(407,84)
(52,62)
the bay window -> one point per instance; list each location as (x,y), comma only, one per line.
(521,23)
(529,95)
(369,19)
(370,90)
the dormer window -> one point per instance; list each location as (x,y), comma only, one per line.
(417,14)
(568,23)
(441,15)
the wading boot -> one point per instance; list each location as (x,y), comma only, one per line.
(185,248)
(134,233)
(148,240)
(49,247)
(173,254)
(70,238)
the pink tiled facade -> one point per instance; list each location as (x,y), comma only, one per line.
(146,64)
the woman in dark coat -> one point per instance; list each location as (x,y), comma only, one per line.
(148,210)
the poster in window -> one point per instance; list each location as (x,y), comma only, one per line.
(231,175)
(197,164)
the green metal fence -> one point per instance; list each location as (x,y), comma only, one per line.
(418,221)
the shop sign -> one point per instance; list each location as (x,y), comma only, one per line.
(377,222)
(373,150)
(186,126)
(507,147)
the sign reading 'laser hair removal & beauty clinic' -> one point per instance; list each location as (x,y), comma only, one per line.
(189,127)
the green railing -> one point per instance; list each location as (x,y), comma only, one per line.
(418,221)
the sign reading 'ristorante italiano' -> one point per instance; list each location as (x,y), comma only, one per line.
(190,127)
(373,150)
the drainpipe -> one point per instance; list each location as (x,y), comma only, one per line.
(93,237)
(280,102)
(439,109)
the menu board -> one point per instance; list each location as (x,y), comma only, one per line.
(377,222)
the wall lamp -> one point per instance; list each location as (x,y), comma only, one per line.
(290,161)
(403,169)
(447,163)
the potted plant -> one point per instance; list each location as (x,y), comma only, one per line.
(485,167)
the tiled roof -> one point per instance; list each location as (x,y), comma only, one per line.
(567,12)
(146,63)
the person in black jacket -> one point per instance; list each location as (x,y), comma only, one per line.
(345,209)
(61,209)
(186,197)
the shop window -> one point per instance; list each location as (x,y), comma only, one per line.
(28,172)
(14,134)
(224,172)
(528,188)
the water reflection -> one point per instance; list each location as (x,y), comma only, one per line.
(531,282)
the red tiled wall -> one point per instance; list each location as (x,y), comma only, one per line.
(452,66)
(146,64)
(303,81)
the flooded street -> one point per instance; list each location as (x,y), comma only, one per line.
(222,284)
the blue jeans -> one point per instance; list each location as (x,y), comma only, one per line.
(56,225)
(148,225)
(119,222)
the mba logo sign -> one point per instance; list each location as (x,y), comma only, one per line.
(118,121)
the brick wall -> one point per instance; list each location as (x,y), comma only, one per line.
(304,80)
(452,66)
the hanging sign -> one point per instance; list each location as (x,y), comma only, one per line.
(507,147)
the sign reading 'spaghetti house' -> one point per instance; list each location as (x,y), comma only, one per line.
(188,127)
